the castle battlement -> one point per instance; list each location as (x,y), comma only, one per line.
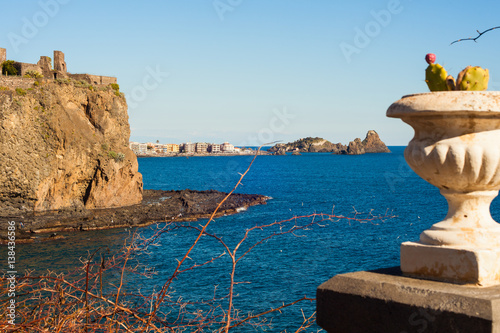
(59,71)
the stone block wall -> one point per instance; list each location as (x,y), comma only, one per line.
(46,66)
(94,79)
(59,63)
(108,80)
(82,77)
(14,82)
(23,67)
(3,55)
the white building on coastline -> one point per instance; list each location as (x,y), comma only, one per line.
(151,148)
(188,148)
(139,148)
(201,147)
(214,148)
(226,147)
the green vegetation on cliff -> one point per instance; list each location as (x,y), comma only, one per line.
(305,143)
(8,68)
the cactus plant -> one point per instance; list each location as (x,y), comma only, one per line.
(435,74)
(471,78)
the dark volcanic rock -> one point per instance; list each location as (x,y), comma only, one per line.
(156,206)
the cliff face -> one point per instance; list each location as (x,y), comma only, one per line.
(65,147)
(373,144)
(355,148)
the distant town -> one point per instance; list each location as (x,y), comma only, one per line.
(198,148)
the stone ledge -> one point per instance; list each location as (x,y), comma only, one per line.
(385,301)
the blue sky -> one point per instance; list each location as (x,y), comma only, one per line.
(254,71)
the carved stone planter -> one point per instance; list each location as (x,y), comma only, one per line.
(456,148)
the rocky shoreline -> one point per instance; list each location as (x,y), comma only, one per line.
(156,206)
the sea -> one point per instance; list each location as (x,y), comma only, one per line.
(370,204)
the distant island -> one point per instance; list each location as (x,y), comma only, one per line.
(371,144)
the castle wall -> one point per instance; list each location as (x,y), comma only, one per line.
(81,77)
(46,66)
(60,71)
(23,67)
(14,82)
(93,79)
(3,55)
(59,63)
(108,80)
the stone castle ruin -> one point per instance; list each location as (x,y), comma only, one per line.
(44,67)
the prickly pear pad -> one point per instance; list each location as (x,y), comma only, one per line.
(435,76)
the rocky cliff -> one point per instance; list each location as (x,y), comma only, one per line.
(307,145)
(371,144)
(64,145)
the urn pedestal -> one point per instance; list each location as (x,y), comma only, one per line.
(456,148)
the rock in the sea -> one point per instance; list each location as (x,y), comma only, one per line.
(307,145)
(373,144)
(65,147)
(355,147)
(338,148)
(279,149)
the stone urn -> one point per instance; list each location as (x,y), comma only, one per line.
(456,148)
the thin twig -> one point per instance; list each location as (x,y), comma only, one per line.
(272,310)
(475,38)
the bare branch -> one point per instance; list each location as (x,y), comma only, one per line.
(475,38)
(271,311)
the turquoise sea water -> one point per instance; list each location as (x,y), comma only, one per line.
(287,267)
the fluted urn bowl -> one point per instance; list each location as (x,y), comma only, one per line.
(456,148)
